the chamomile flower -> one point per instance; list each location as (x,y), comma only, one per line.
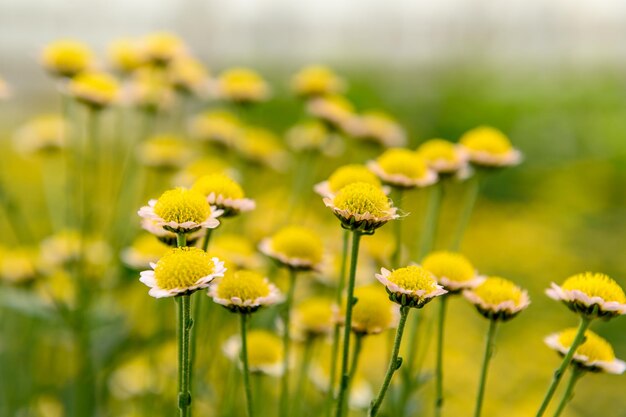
(373,313)
(66,58)
(245,291)
(261,146)
(197,169)
(453,270)
(44,134)
(216,126)
(164,152)
(224,193)
(181,211)
(150,90)
(489,147)
(411,286)
(181,271)
(591,294)
(237,250)
(189,76)
(377,127)
(361,207)
(295,247)
(444,157)
(127,54)
(265,352)
(344,175)
(316,80)
(145,249)
(313,318)
(95,89)
(310,135)
(334,110)
(155,228)
(595,354)
(163,47)
(403,168)
(242,85)
(498,298)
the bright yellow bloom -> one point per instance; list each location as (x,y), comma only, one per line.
(245,291)
(344,175)
(296,247)
(163,47)
(489,147)
(127,54)
(312,318)
(498,299)
(96,89)
(452,270)
(316,80)
(411,286)
(373,313)
(403,168)
(18,266)
(189,76)
(377,127)
(164,151)
(66,57)
(224,193)
(242,85)
(443,156)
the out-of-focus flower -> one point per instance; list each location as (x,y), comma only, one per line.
(411,286)
(181,211)
(591,294)
(310,135)
(236,250)
(144,250)
(150,90)
(453,270)
(265,352)
(95,89)
(5,91)
(189,76)
(44,134)
(344,175)
(64,248)
(445,157)
(313,318)
(48,406)
(497,298)
(245,291)
(187,176)
(135,377)
(218,126)
(378,127)
(169,238)
(489,147)
(334,110)
(403,168)
(164,152)
(595,354)
(317,80)
(295,247)
(127,54)
(182,271)
(224,193)
(66,57)
(18,266)
(373,313)
(361,207)
(261,146)
(163,47)
(242,85)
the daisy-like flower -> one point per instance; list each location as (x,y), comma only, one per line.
(127,54)
(145,249)
(95,89)
(155,228)
(373,313)
(361,207)
(403,168)
(66,58)
(453,271)
(498,298)
(411,286)
(444,157)
(150,90)
(311,135)
(316,80)
(344,175)
(295,247)
(182,271)
(378,127)
(189,76)
(490,148)
(224,193)
(245,292)
(42,135)
(181,211)
(334,110)
(261,146)
(265,352)
(163,47)
(216,126)
(313,318)
(243,86)
(236,249)
(197,169)
(164,152)
(594,355)
(594,295)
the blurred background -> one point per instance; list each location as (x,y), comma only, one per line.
(550,74)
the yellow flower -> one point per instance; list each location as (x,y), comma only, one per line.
(403,168)
(127,54)
(591,294)
(163,47)
(96,89)
(135,377)
(244,292)
(18,266)
(378,127)
(316,80)
(595,354)
(308,136)
(295,247)
(193,171)
(242,85)
(411,286)
(344,175)
(313,318)
(145,249)
(224,193)
(261,146)
(44,134)
(235,249)
(489,147)
(265,352)
(452,270)
(335,110)
(164,152)
(219,126)
(182,271)
(66,58)
(497,298)
(189,76)
(373,313)
(444,157)
(150,89)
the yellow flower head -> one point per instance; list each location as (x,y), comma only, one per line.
(309,135)
(312,318)
(296,247)
(498,298)
(224,193)
(44,134)
(163,47)
(182,271)
(127,54)
(242,85)
(219,126)
(236,249)
(411,286)
(150,89)
(316,80)
(244,291)
(66,58)
(189,75)
(591,294)
(96,89)
(164,152)
(378,127)
(452,270)
(261,146)
(443,156)
(199,168)
(265,352)
(18,266)
(335,110)
(144,250)
(595,354)
(489,147)
(403,168)
(373,313)
(348,174)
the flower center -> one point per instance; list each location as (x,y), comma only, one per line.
(242,81)
(180,205)
(349,174)
(220,184)
(362,198)
(596,285)
(594,347)
(67,56)
(298,242)
(452,266)
(486,139)
(403,162)
(316,80)
(182,268)
(97,86)
(413,278)
(373,311)
(264,348)
(437,150)
(496,290)
(243,284)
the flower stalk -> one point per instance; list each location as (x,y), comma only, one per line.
(489,345)
(284,390)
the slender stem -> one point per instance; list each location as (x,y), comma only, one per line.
(358,344)
(305,363)
(284,391)
(244,361)
(181,240)
(206,240)
(439,371)
(394,363)
(184,364)
(483,373)
(558,375)
(468,206)
(575,374)
(397,253)
(431,220)
(345,377)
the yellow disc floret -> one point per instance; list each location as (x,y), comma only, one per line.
(349,174)
(95,88)
(316,80)
(182,268)
(595,348)
(486,139)
(452,266)
(297,242)
(496,290)
(362,198)
(180,205)
(66,57)
(373,312)
(413,278)
(596,285)
(220,185)
(264,349)
(243,284)
(437,150)
(403,162)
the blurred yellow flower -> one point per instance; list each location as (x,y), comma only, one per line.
(344,175)
(489,147)
(262,146)
(411,286)
(497,298)
(189,76)
(43,134)
(453,270)
(403,168)
(378,127)
(135,377)
(96,89)
(163,47)
(18,266)
(244,291)
(242,85)
(335,110)
(127,54)
(308,136)
(164,152)
(444,157)
(316,80)
(150,90)
(145,249)
(224,193)
(265,352)
(312,318)
(66,57)
(296,247)
(373,313)
(219,126)
(235,249)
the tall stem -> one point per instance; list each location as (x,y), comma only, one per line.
(244,361)
(575,374)
(397,253)
(468,206)
(345,377)
(483,373)
(284,391)
(558,375)
(206,240)
(184,364)
(394,363)
(305,364)
(181,240)
(431,220)
(439,371)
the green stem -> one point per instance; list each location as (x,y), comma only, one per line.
(244,361)
(181,240)
(206,240)
(307,354)
(394,363)
(468,206)
(185,324)
(483,373)
(431,220)
(284,391)
(439,371)
(397,253)
(358,344)
(576,373)
(558,375)
(350,301)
